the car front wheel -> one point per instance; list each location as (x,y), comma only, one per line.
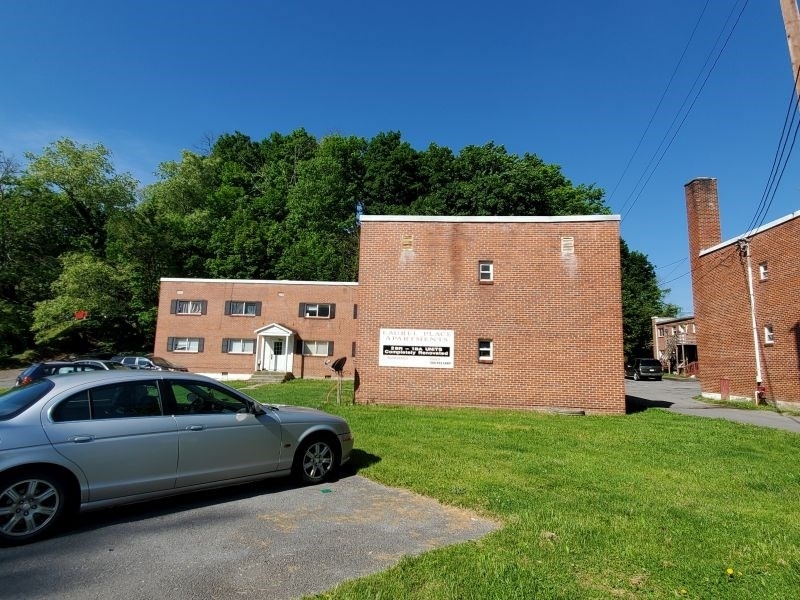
(316,461)
(31,505)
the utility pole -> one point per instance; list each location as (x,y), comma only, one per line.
(791,21)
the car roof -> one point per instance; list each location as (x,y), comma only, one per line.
(70,380)
(53,363)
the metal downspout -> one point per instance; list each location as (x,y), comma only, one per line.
(744,249)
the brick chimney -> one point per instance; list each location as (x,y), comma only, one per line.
(702,215)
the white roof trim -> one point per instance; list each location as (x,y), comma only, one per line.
(274,329)
(257,281)
(440,219)
(666,320)
(751,233)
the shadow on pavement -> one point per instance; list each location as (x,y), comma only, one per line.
(634,404)
(150,509)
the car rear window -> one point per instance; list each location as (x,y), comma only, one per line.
(17,399)
(649,362)
(29,371)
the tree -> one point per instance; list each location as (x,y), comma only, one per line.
(84,177)
(487,180)
(642,299)
(36,226)
(320,227)
(90,303)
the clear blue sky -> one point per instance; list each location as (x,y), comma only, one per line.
(574,82)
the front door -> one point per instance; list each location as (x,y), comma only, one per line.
(275,354)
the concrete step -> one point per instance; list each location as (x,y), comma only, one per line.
(261,377)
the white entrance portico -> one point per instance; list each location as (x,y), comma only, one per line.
(274,348)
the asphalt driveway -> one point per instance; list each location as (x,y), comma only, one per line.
(268,540)
(677,396)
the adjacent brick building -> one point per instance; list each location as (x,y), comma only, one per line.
(526,311)
(513,312)
(734,348)
(675,343)
(233,328)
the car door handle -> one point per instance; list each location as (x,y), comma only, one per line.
(195,428)
(81,439)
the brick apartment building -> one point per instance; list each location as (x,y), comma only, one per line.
(675,343)
(520,312)
(231,328)
(514,312)
(741,342)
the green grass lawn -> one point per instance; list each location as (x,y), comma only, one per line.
(649,505)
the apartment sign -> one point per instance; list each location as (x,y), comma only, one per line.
(424,348)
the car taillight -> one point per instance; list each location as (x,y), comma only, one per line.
(26,380)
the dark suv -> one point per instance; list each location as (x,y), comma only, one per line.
(644,368)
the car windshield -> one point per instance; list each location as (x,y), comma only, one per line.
(18,399)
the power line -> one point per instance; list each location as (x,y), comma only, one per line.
(662,149)
(660,101)
(774,179)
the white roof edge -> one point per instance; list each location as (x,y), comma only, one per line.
(271,281)
(662,320)
(751,233)
(529,219)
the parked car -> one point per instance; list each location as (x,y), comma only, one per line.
(102,365)
(645,368)
(52,367)
(102,438)
(151,363)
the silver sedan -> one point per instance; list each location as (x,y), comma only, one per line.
(95,439)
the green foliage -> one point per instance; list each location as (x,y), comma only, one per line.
(86,284)
(84,177)
(642,299)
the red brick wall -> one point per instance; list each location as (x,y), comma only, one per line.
(722,306)
(280,304)
(555,320)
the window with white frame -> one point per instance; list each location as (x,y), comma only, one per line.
(188,307)
(485,271)
(242,308)
(661,332)
(694,328)
(763,271)
(238,346)
(769,335)
(485,350)
(317,311)
(185,344)
(317,348)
